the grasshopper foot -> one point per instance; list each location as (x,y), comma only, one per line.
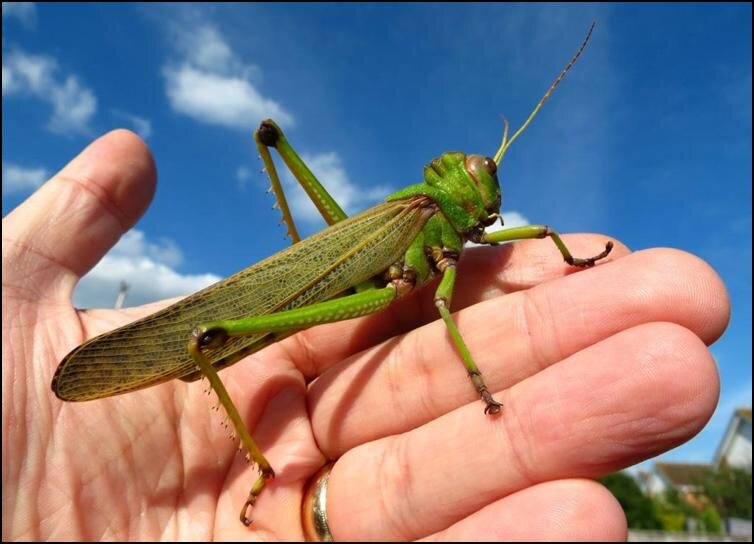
(586,263)
(248,505)
(493,406)
(251,500)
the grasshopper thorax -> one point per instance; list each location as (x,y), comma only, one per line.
(470,182)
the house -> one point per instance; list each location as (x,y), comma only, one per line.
(734,450)
(682,476)
(735,447)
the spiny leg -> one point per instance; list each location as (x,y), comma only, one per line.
(213,335)
(200,339)
(277,188)
(269,135)
(542,231)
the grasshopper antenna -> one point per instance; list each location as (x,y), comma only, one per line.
(506,143)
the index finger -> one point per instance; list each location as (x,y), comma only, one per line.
(483,273)
(407,381)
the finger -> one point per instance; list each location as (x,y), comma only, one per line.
(559,511)
(408,381)
(64,228)
(284,435)
(483,273)
(606,407)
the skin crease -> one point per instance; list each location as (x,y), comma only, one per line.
(597,369)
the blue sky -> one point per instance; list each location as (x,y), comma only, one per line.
(649,138)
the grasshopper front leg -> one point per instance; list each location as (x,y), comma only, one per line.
(443,296)
(543,231)
(445,262)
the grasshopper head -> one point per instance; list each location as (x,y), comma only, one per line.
(470,182)
(483,172)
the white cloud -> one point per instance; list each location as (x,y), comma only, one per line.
(72,103)
(209,83)
(202,46)
(330,172)
(9,81)
(221,100)
(511,219)
(22,72)
(141,125)
(134,245)
(26,12)
(20,179)
(145,266)
(243,175)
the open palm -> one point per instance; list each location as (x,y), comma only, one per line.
(596,370)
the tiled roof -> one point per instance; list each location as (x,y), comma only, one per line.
(683,473)
(744,413)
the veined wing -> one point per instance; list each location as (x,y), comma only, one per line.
(154,349)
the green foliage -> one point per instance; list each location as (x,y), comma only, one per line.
(729,490)
(710,519)
(676,514)
(674,502)
(672,510)
(725,492)
(639,509)
(672,521)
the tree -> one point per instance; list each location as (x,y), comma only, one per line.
(711,521)
(729,490)
(674,512)
(639,509)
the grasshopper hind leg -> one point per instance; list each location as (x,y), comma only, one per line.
(269,135)
(200,339)
(213,335)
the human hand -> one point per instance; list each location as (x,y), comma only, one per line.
(596,369)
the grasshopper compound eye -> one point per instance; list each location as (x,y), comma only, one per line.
(490,165)
(483,171)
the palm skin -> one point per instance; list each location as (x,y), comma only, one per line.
(596,369)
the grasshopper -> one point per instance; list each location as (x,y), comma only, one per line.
(356,266)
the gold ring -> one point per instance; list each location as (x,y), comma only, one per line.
(314,507)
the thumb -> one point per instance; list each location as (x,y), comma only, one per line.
(60,232)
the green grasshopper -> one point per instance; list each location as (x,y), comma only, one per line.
(356,266)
